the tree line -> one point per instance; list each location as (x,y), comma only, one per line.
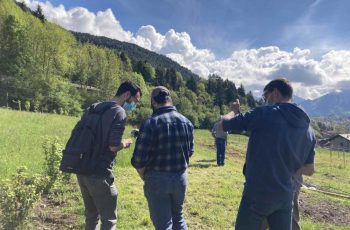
(45,68)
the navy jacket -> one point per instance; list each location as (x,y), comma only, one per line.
(281,142)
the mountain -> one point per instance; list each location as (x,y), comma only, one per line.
(298,100)
(136,53)
(335,103)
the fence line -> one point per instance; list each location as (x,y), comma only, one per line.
(339,151)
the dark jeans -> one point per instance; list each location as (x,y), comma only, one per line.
(220,150)
(252,214)
(165,193)
(100,200)
(295,216)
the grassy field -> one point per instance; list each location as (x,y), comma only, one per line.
(213,195)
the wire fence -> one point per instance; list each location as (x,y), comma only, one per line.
(338,152)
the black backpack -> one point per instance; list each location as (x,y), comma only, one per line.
(85,145)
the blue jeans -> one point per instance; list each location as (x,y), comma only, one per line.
(220,150)
(251,215)
(165,193)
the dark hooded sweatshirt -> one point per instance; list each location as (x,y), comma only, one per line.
(113,126)
(281,142)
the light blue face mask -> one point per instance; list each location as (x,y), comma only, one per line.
(129,106)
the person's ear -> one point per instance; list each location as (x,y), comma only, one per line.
(274,94)
(127,95)
(154,103)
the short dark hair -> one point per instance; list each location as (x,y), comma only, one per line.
(282,85)
(128,86)
(162,98)
(161,95)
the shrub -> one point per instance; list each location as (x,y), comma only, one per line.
(17,198)
(53,154)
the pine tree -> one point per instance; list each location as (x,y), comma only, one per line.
(39,13)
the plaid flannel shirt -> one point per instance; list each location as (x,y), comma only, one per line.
(165,142)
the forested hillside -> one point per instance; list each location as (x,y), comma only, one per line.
(136,53)
(44,68)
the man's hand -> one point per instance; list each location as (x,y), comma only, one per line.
(126,143)
(308,169)
(235,106)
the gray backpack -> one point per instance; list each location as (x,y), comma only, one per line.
(85,145)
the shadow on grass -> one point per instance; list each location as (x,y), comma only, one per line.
(200,165)
(206,161)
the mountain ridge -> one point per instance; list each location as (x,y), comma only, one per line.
(331,104)
(135,52)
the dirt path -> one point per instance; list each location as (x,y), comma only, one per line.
(48,215)
(324,211)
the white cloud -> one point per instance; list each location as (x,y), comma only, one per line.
(148,37)
(251,67)
(336,64)
(79,19)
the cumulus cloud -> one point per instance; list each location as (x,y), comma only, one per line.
(148,37)
(79,19)
(251,67)
(336,64)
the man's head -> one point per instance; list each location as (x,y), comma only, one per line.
(160,97)
(278,90)
(129,95)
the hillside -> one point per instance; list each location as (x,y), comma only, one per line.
(136,53)
(44,67)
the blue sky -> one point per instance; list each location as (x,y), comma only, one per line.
(246,41)
(223,26)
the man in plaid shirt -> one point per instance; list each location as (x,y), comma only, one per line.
(161,157)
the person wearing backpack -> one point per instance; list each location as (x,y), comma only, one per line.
(97,188)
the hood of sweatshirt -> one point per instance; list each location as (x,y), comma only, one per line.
(294,115)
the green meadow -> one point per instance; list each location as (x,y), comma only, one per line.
(213,194)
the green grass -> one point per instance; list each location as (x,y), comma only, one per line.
(213,194)
(22,135)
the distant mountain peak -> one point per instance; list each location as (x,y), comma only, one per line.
(334,103)
(297,99)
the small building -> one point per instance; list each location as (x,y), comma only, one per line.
(340,142)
